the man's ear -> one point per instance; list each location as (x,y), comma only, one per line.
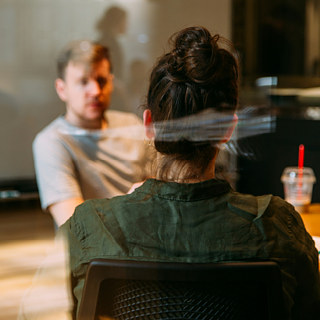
(148,124)
(60,86)
(230,129)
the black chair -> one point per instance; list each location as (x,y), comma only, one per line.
(122,289)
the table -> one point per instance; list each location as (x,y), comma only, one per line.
(311,219)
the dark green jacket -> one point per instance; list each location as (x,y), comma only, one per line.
(201,222)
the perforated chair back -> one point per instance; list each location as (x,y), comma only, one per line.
(122,289)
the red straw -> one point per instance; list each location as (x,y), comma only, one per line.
(301,156)
(300,165)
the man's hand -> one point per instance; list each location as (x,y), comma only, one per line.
(134,186)
(63,210)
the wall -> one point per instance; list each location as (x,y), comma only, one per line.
(33,32)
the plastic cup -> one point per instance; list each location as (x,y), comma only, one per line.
(298,185)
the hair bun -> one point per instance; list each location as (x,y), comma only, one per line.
(197,75)
(195,55)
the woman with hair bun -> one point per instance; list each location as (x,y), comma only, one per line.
(185,214)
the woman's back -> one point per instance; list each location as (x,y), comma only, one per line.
(201,222)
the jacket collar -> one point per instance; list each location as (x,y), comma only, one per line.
(184,191)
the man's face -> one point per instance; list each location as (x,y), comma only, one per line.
(86,92)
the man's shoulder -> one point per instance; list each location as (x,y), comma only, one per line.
(49,133)
(119,119)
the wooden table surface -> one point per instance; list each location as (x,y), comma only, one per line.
(311,219)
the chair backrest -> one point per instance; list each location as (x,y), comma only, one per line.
(126,289)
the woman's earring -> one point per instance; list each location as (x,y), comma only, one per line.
(147,142)
(223,146)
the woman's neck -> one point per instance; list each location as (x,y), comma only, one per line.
(182,175)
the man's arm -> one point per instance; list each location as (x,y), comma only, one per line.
(135,186)
(57,177)
(63,210)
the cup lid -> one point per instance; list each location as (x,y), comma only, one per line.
(290,174)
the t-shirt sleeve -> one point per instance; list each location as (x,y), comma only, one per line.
(56,174)
(307,295)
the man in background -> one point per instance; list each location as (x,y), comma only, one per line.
(88,152)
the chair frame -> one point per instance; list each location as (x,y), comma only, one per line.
(266,272)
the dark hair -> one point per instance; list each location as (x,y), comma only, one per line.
(197,74)
(82,51)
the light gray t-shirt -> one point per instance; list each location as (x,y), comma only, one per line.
(72,162)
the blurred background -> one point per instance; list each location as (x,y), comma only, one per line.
(278,42)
